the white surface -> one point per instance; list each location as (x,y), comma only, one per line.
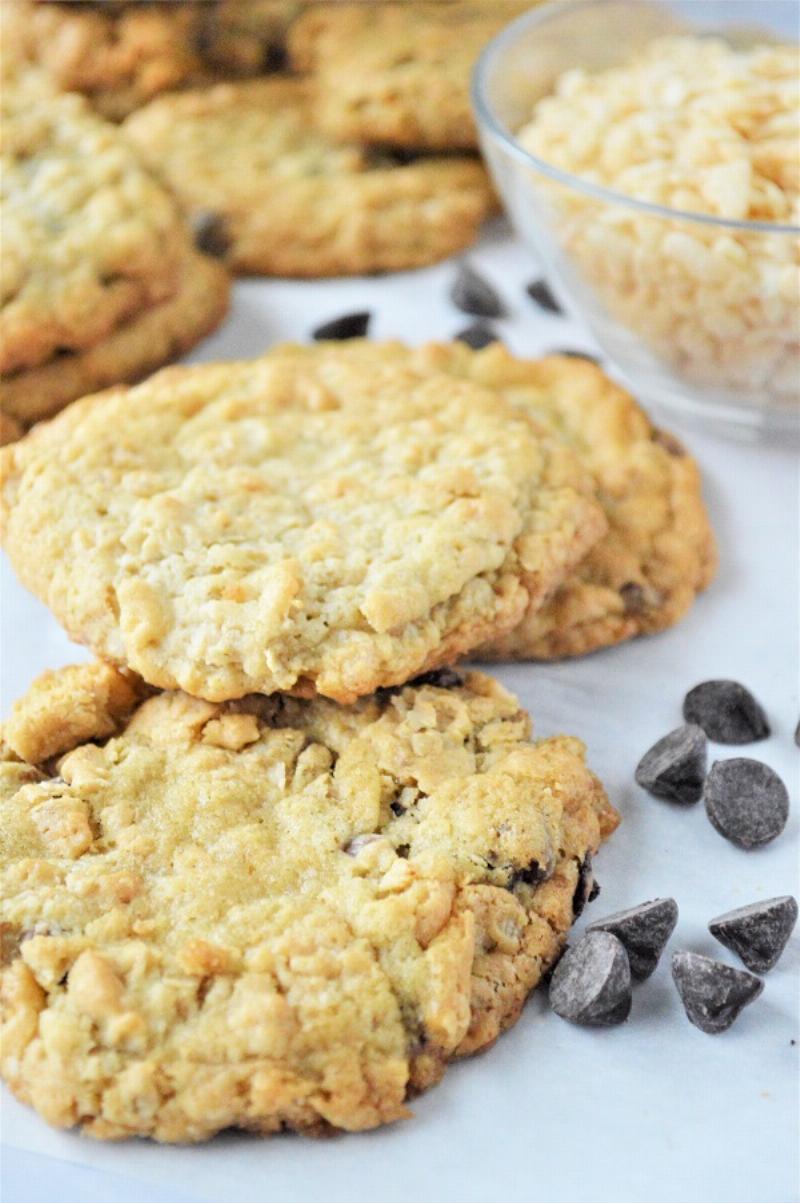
(653,1110)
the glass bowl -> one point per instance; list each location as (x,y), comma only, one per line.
(701,314)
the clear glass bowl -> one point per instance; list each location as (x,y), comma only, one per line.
(700,314)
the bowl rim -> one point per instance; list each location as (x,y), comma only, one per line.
(491,124)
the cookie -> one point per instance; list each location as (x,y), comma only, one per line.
(281,199)
(118,55)
(276,913)
(247,37)
(659,551)
(89,236)
(397,73)
(148,340)
(292,524)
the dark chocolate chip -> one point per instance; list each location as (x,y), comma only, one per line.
(441,678)
(584,886)
(211,235)
(360,841)
(644,931)
(757,933)
(275,59)
(403,850)
(633,597)
(675,766)
(572,353)
(746,801)
(712,993)
(349,325)
(592,982)
(727,712)
(397,809)
(539,291)
(477,336)
(471,293)
(531,875)
(668,442)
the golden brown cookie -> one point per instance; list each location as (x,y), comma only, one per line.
(289,524)
(118,55)
(397,73)
(148,340)
(659,551)
(89,236)
(274,196)
(277,913)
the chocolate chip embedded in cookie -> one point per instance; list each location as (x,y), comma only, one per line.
(293,523)
(275,913)
(281,198)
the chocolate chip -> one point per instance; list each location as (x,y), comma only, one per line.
(349,325)
(441,678)
(633,598)
(531,875)
(668,442)
(397,809)
(592,982)
(675,766)
(643,930)
(477,336)
(757,933)
(211,234)
(584,886)
(727,712)
(570,353)
(712,993)
(360,841)
(746,801)
(539,291)
(471,293)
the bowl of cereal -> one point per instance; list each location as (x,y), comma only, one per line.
(649,154)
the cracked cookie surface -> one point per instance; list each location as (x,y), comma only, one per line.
(89,236)
(397,73)
(289,524)
(659,551)
(275,913)
(278,197)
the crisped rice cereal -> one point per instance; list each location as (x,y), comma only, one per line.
(696,125)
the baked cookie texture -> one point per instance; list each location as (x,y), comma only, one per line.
(89,236)
(291,523)
(118,55)
(276,913)
(121,55)
(397,73)
(145,342)
(275,196)
(659,550)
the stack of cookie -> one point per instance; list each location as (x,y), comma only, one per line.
(270,862)
(101,279)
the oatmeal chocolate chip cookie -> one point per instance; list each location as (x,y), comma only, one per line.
(118,55)
(292,524)
(276,913)
(397,73)
(89,236)
(281,199)
(148,340)
(659,551)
